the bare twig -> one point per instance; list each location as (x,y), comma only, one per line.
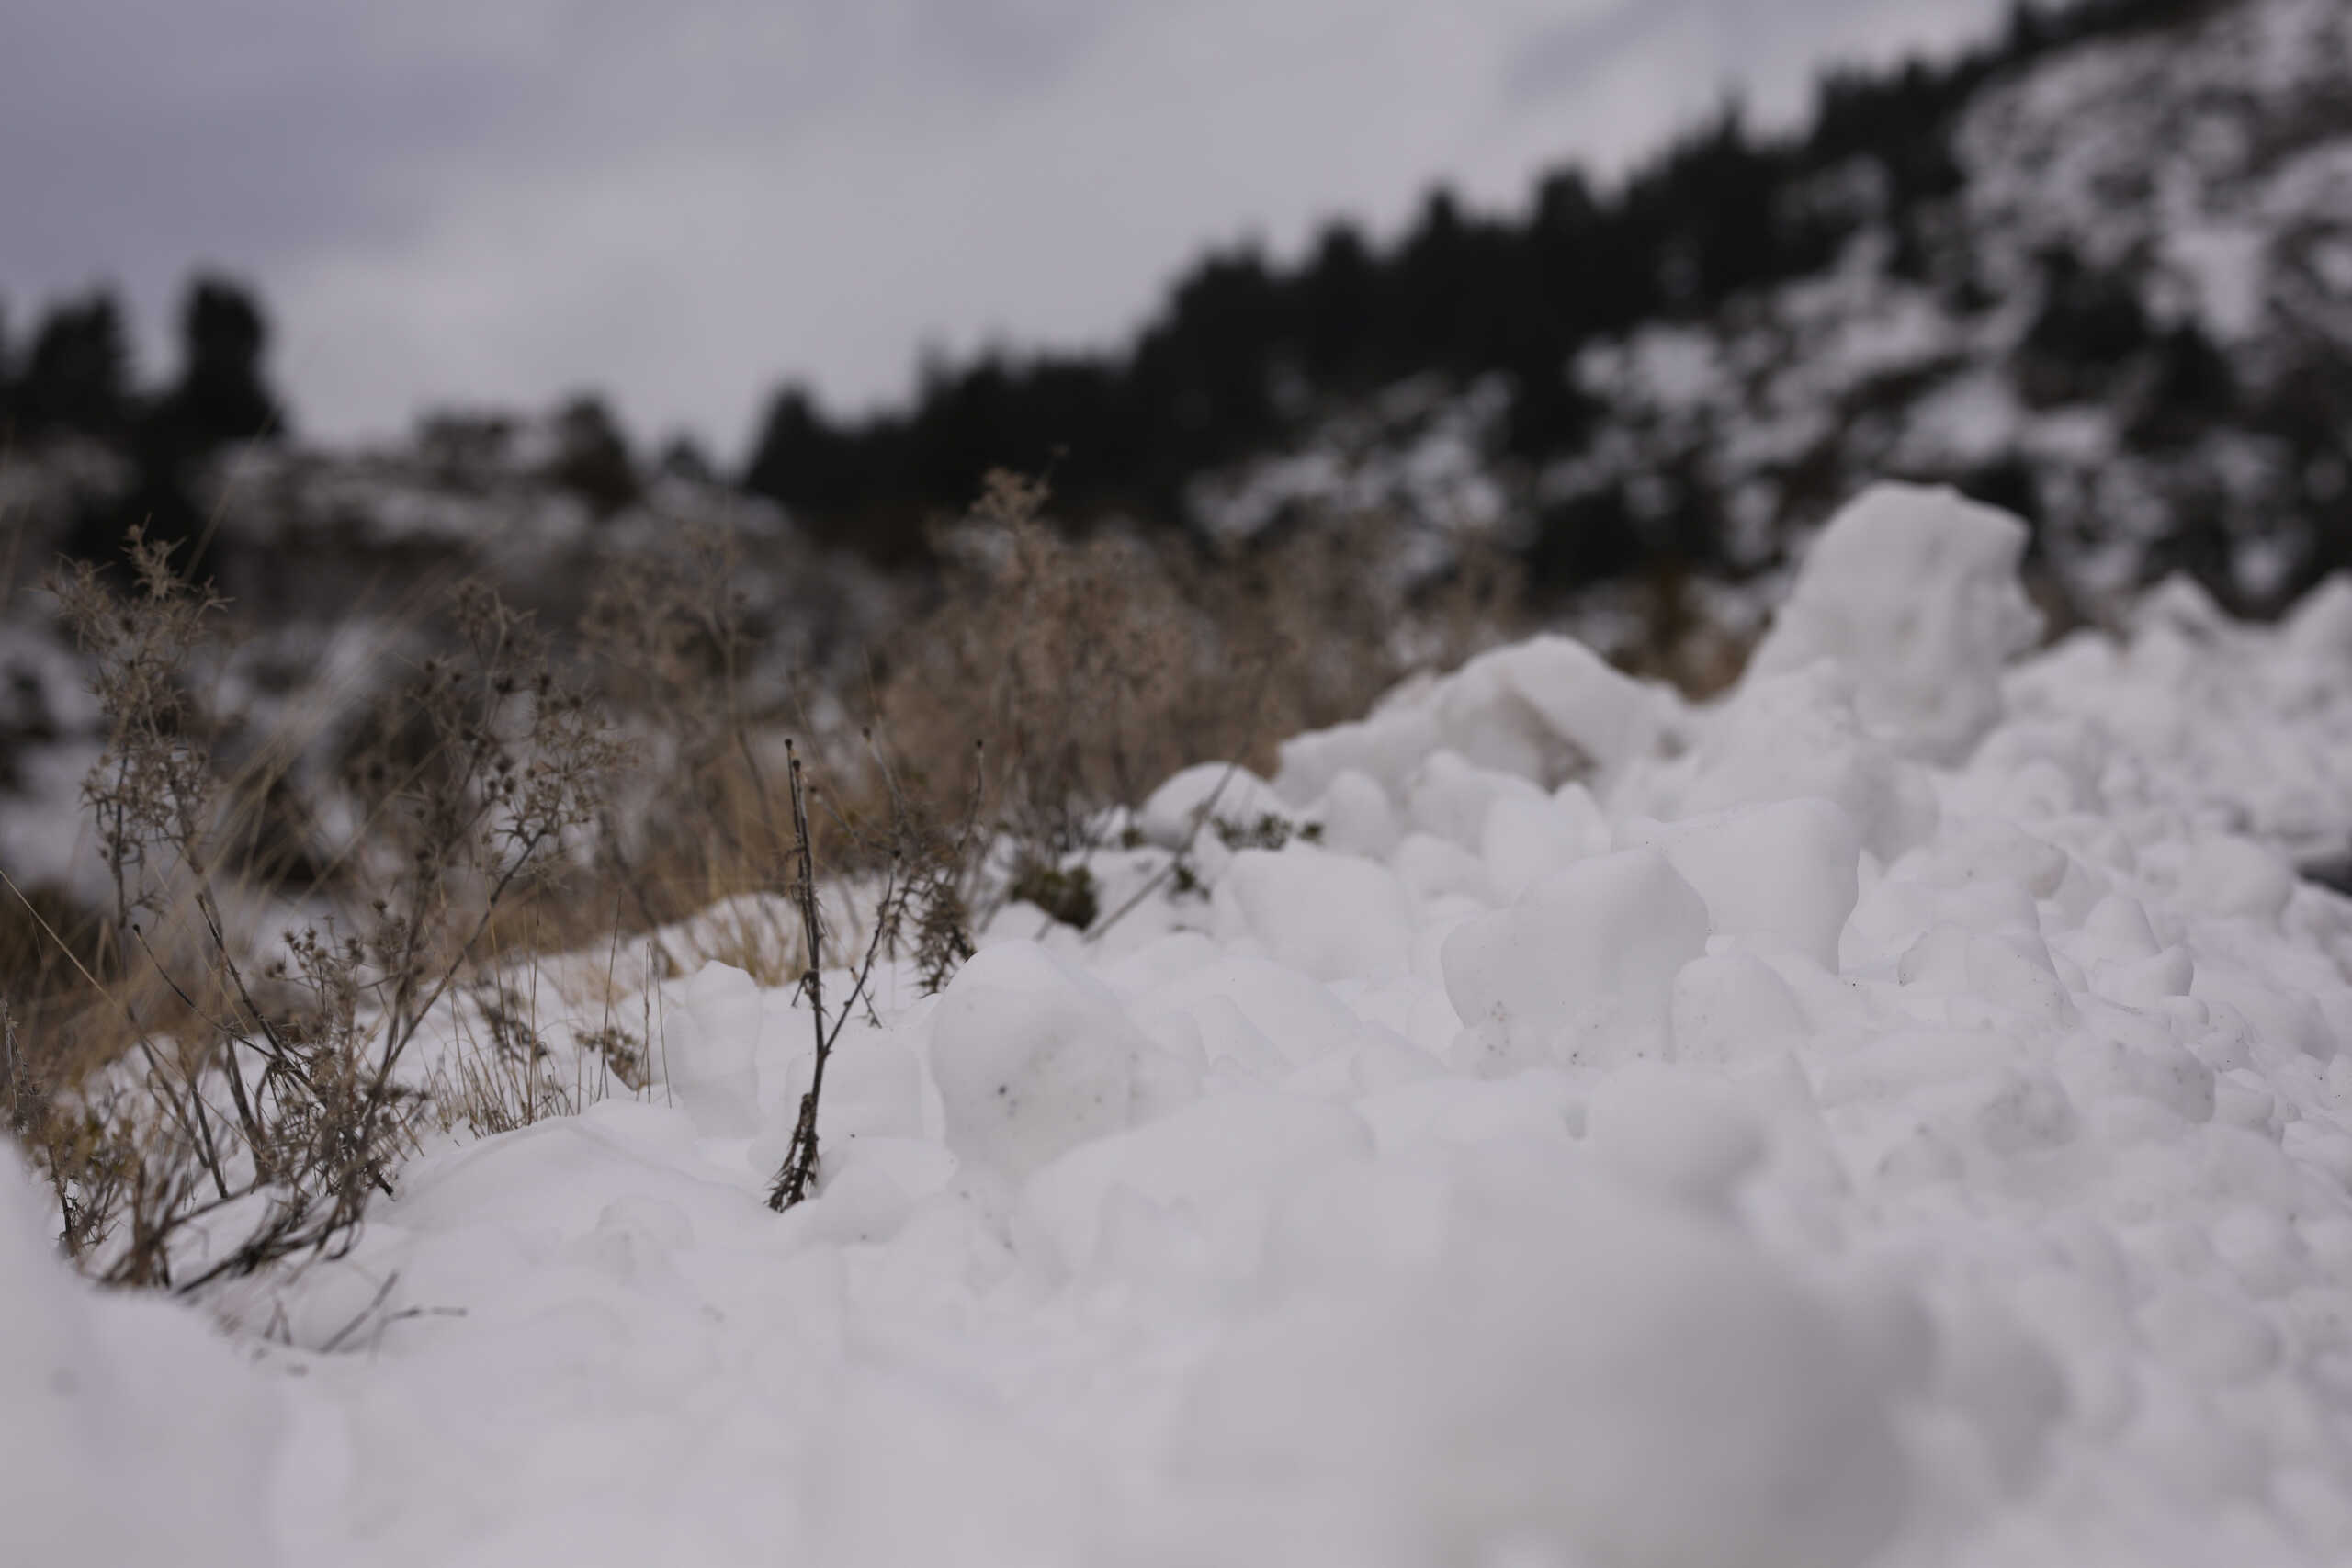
(799,1169)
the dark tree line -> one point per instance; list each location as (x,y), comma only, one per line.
(1242,348)
(75,374)
(1244,351)
(75,377)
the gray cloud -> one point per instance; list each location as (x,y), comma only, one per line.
(466,202)
(1694,50)
(136,139)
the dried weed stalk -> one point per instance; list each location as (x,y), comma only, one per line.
(261,1134)
(486,809)
(1091,668)
(922,901)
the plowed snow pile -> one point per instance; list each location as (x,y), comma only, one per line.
(1897,1114)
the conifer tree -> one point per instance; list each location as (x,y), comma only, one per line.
(78,376)
(221,395)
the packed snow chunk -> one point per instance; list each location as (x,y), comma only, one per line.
(1357,816)
(1584,1374)
(129,1432)
(1526,841)
(874,1089)
(1780,877)
(1546,710)
(1032,1057)
(1913,592)
(1299,1018)
(1413,1008)
(1437,868)
(1154,964)
(1242,1148)
(1596,719)
(1580,971)
(1730,1008)
(873,1084)
(1385,746)
(1205,794)
(709,1046)
(1581,814)
(1790,738)
(1333,916)
(1449,797)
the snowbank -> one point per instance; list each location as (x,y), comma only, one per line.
(1898,1115)
(1913,593)
(128,1431)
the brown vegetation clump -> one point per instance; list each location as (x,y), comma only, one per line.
(1086,670)
(218,1068)
(263,1114)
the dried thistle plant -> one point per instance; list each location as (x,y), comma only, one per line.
(152,787)
(494,800)
(263,1133)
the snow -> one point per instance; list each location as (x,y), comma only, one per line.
(1580,971)
(1418,452)
(1913,592)
(1032,1057)
(1204,795)
(1575,1366)
(1543,711)
(1330,916)
(132,1432)
(2181,149)
(1895,1115)
(2200,165)
(1779,876)
(2233,730)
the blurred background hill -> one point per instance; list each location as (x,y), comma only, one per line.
(2096,268)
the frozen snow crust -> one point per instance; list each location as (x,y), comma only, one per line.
(1895,1116)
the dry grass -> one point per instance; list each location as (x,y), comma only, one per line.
(213,1065)
(1086,671)
(254,1125)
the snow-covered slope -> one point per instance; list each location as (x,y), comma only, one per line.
(2132,317)
(1899,1114)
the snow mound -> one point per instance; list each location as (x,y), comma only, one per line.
(1577,1365)
(1779,876)
(1913,592)
(129,1432)
(1204,796)
(1897,1116)
(1547,710)
(1581,970)
(1328,916)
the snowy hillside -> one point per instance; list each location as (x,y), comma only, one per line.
(2129,318)
(336,567)
(1897,1114)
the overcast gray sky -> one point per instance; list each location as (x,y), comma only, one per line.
(494,202)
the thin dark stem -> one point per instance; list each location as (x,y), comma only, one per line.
(792,1182)
(1200,819)
(246,1117)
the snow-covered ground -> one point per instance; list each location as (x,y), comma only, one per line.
(1895,1114)
(2198,172)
